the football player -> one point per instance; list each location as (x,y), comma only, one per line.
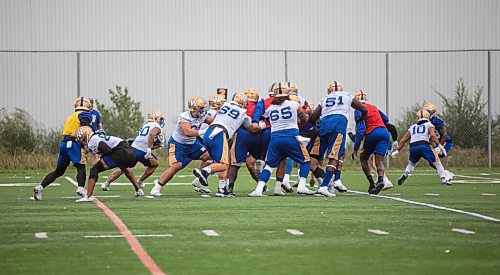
(183,145)
(148,139)
(114,151)
(377,140)
(70,150)
(230,117)
(96,124)
(419,135)
(441,133)
(333,111)
(284,116)
(246,146)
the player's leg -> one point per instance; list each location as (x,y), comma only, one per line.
(111,178)
(296,150)
(413,159)
(274,157)
(382,139)
(77,155)
(130,176)
(334,141)
(218,149)
(337,183)
(430,155)
(288,171)
(151,164)
(100,166)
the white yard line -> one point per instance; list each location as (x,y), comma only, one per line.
(463,231)
(72,181)
(22,184)
(295,232)
(41,235)
(210,233)
(378,232)
(484,217)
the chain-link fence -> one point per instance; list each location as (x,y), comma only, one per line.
(45,83)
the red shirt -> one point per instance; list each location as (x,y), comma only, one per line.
(250,108)
(373,119)
(267,103)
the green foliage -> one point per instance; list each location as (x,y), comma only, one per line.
(124,117)
(17,134)
(466,113)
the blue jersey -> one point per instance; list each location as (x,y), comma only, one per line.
(361,127)
(96,119)
(438,124)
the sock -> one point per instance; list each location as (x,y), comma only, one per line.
(327,178)
(302,183)
(380,179)
(277,187)
(370,179)
(140,182)
(304,170)
(337,175)
(231,185)
(289,166)
(208,170)
(409,168)
(260,186)
(196,182)
(440,169)
(222,184)
(265,174)
(279,179)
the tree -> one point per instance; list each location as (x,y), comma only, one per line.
(122,119)
(17,132)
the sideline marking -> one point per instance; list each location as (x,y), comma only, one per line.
(463,231)
(378,232)
(295,232)
(429,205)
(72,181)
(210,233)
(431,194)
(488,194)
(25,184)
(41,235)
(121,236)
(132,241)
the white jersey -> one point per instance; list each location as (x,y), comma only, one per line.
(194,122)
(211,113)
(420,132)
(284,116)
(94,141)
(141,141)
(336,103)
(231,117)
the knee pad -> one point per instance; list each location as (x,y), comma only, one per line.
(94,171)
(319,173)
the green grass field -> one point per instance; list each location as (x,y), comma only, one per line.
(253,231)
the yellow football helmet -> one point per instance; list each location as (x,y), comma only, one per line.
(361,96)
(252,94)
(335,86)
(82,104)
(431,108)
(280,89)
(292,88)
(196,106)
(423,114)
(216,101)
(156,116)
(83,134)
(294,98)
(240,99)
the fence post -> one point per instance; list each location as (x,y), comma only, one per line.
(183,79)
(77,74)
(387,93)
(489,109)
(286,65)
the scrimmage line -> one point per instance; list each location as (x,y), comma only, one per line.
(134,244)
(488,218)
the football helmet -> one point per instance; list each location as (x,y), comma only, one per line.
(216,101)
(292,88)
(280,89)
(270,90)
(294,98)
(82,104)
(83,134)
(196,106)
(156,116)
(431,108)
(100,132)
(252,94)
(240,99)
(361,96)
(335,86)
(423,114)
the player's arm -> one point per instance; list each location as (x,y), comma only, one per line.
(209,119)
(403,141)
(151,138)
(313,118)
(433,137)
(393,130)
(302,116)
(384,117)
(360,133)
(186,130)
(258,111)
(104,149)
(252,127)
(356,104)
(443,133)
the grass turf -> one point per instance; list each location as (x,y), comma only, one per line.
(253,237)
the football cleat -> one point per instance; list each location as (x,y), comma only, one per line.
(286,186)
(229,192)
(86,199)
(376,188)
(449,175)
(80,191)
(387,184)
(277,189)
(156,191)
(305,191)
(104,187)
(139,193)
(200,188)
(202,175)
(221,193)
(339,186)
(142,184)
(37,190)
(446,182)
(255,193)
(323,190)
(402,179)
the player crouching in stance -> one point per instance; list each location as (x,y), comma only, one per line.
(230,117)
(183,145)
(70,150)
(148,139)
(284,116)
(419,135)
(115,152)
(333,112)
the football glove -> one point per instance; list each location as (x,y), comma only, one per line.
(440,150)
(148,153)
(394,154)
(394,145)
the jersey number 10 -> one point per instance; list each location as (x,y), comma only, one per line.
(418,129)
